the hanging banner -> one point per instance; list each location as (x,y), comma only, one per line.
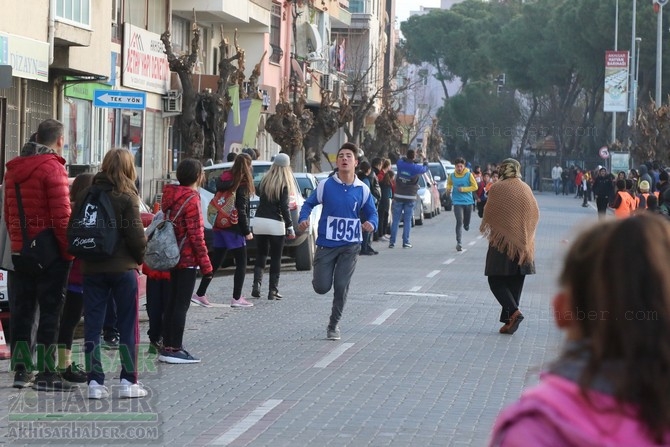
(616,81)
(242,135)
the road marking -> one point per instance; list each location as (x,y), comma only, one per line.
(437,295)
(415,289)
(433,273)
(245,424)
(334,354)
(449,261)
(383,317)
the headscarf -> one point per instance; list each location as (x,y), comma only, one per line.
(511,215)
(509,168)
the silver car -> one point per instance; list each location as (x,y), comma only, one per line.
(301,248)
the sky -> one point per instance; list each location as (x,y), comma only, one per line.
(403,7)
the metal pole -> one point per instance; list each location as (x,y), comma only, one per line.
(659,53)
(616,44)
(631,97)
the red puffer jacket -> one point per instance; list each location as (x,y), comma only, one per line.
(45,196)
(189,225)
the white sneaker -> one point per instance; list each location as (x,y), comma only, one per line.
(131,390)
(97,391)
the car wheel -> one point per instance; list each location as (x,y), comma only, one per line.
(420,220)
(304,254)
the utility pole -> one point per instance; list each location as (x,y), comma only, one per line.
(616,47)
(658,7)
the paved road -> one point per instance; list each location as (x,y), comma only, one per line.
(420,362)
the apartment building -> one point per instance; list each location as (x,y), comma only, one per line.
(111,85)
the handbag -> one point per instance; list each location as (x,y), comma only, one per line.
(38,253)
(272,227)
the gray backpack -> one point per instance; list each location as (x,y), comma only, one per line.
(163,251)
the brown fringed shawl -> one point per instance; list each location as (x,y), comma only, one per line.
(510,219)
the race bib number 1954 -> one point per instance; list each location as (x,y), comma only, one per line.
(341,229)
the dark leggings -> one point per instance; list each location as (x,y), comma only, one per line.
(507,290)
(158,296)
(182,282)
(70,317)
(240,256)
(273,244)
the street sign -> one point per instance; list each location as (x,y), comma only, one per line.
(604,152)
(120,99)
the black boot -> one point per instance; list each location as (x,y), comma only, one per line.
(273,293)
(258,279)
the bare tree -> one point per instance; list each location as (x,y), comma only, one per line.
(205,114)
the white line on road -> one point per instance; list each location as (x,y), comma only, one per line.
(334,354)
(433,273)
(437,295)
(245,424)
(383,317)
(449,261)
(415,289)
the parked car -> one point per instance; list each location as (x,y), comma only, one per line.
(307,183)
(445,198)
(439,173)
(301,249)
(321,176)
(430,196)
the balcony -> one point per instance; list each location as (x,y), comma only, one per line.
(67,35)
(245,15)
(339,16)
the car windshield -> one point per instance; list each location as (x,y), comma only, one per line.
(212,174)
(422,181)
(304,183)
(437,170)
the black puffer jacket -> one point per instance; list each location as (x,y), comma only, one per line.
(133,243)
(224,183)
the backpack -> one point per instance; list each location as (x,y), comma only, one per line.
(221,211)
(163,251)
(92,233)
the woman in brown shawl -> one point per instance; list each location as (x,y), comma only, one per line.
(509,223)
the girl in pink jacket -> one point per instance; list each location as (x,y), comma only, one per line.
(610,386)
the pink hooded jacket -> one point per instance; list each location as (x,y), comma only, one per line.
(554,413)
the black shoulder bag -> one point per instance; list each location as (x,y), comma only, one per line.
(38,253)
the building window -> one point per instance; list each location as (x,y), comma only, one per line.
(356,6)
(74,11)
(275,34)
(156,22)
(180,37)
(135,13)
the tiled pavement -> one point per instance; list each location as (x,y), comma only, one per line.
(420,362)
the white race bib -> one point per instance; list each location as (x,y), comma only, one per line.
(343,229)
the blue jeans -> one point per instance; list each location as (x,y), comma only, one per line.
(406,208)
(123,288)
(557,185)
